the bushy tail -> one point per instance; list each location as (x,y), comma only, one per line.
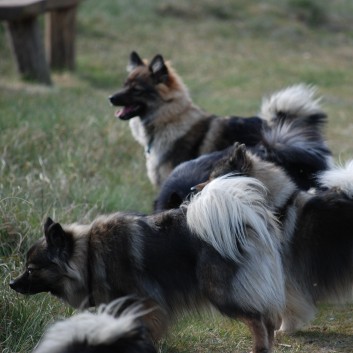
(295,117)
(230,215)
(296,104)
(294,137)
(224,211)
(90,331)
(339,178)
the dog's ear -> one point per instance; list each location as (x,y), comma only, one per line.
(135,61)
(60,243)
(47,224)
(159,69)
(240,159)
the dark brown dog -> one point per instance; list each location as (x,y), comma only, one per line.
(317,232)
(223,253)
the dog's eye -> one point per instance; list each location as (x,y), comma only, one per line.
(137,89)
(31,269)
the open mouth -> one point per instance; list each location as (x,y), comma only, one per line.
(129,112)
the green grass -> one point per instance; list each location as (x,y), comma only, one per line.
(64,155)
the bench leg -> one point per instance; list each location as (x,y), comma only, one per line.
(60,38)
(28,48)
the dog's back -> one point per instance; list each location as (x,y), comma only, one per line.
(178,186)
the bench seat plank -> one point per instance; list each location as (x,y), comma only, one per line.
(17,9)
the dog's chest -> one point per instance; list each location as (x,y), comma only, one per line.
(160,144)
(158,169)
(159,152)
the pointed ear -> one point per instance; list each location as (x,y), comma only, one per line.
(240,158)
(159,69)
(60,243)
(135,61)
(47,224)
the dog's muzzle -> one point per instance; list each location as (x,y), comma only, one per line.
(13,285)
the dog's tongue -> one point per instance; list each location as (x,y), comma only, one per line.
(121,112)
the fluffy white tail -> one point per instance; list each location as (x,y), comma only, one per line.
(296,101)
(339,178)
(226,209)
(102,328)
(295,121)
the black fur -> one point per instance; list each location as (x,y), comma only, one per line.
(322,245)
(317,233)
(124,345)
(302,164)
(178,185)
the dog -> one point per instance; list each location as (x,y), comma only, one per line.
(223,254)
(113,329)
(292,139)
(172,129)
(317,232)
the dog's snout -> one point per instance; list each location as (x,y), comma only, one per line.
(18,285)
(113,99)
(12,284)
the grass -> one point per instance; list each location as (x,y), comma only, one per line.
(62,153)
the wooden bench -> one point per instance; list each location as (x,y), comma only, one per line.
(33,58)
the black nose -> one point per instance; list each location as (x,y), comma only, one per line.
(113,99)
(12,284)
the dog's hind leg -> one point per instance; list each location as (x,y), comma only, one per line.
(155,319)
(271,326)
(215,276)
(261,328)
(262,331)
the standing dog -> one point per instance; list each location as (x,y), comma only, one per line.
(317,228)
(222,249)
(172,129)
(113,329)
(292,139)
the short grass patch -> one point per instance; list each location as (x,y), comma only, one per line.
(64,155)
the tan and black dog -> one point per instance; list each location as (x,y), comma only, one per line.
(172,129)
